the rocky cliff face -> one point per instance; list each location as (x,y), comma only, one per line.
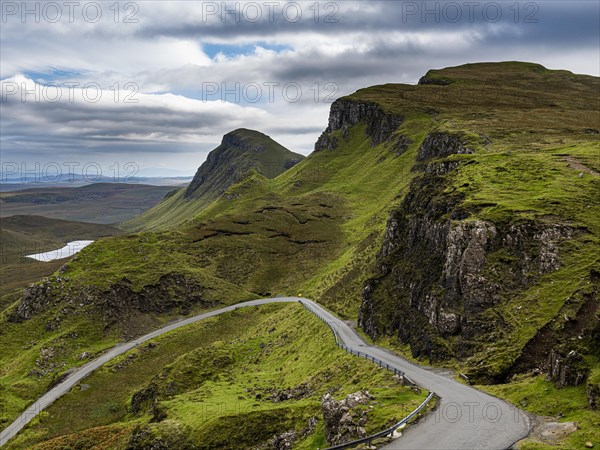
(346,113)
(439,269)
(204,182)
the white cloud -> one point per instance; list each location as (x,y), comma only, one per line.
(163,54)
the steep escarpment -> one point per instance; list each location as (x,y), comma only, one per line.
(441,269)
(346,113)
(240,152)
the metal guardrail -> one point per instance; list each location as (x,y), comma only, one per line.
(388,431)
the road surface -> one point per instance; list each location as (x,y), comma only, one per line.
(465,418)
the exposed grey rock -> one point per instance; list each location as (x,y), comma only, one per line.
(400,145)
(296,393)
(144,400)
(346,113)
(36,297)
(566,370)
(326,141)
(425,79)
(284,441)
(342,423)
(466,247)
(441,144)
(440,168)
(53,324)
(593,395)
(438,273)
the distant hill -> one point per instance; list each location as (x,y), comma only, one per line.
(8,183)
(242,153)
(98,203)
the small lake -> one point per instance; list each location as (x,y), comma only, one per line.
(68,250)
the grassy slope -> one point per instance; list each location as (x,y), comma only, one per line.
(172,209)
(533,123)
(216,378)
(98,203)
(539,396)
(144,257)
(270,162)
(329,210)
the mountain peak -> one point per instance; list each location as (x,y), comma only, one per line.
(241,151)
(246,139)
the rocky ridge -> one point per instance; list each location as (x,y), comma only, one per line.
(439,269)
(346,113)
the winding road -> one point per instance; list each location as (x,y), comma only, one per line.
(464,419)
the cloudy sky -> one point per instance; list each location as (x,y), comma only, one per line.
(158,83)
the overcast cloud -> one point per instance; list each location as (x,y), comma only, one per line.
(165,80)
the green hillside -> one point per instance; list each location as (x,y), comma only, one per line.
(457,219)
(258,371)
(241,153)
(23,235)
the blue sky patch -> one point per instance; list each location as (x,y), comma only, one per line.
(232,50)
(53,74)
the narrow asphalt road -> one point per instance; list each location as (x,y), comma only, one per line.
(465,418)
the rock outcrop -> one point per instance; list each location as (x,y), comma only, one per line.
(346,113)
(145,400)
(167,435)
(301,391)
(439,269)
(566,370)
(428,78)
(285,440)
(342,422)
(115,304)
(401,145)
(440,145)
(36,297)
(593,395)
